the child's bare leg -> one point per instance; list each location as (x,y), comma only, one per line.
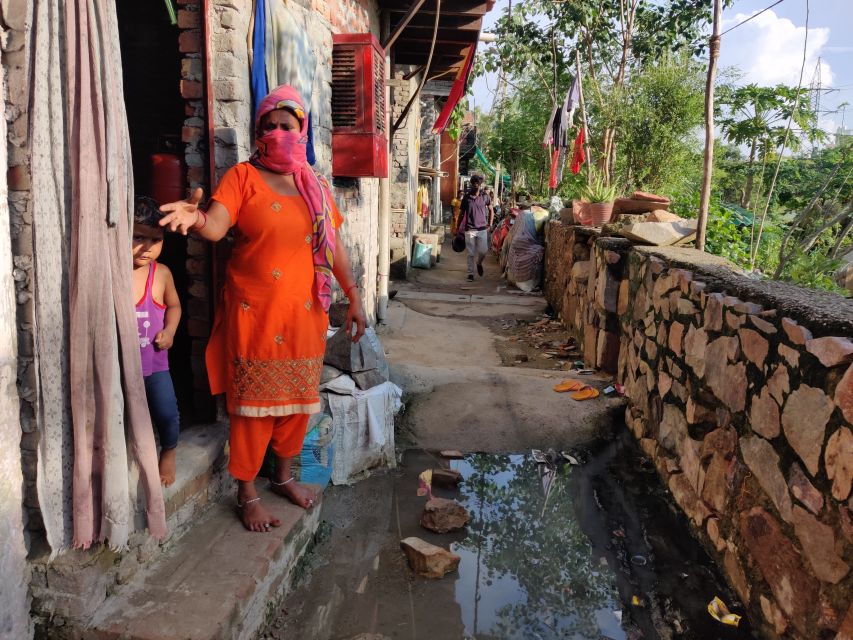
(253,515)
(167,466)
(285,485)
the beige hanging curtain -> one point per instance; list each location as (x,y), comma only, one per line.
(87,342)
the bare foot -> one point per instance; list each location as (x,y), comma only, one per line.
(253,515)
(167,467)
(298,494)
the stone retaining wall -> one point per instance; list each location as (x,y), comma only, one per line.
(742,393)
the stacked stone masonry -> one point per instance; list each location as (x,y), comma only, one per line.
(741,392)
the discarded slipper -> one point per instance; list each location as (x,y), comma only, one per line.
(569,385)
(587,393)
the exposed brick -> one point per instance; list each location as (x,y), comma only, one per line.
(191,134)
(189,41)
(191,89)
(18,178)
(188,19)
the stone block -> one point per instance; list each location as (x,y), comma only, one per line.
(803,490)
(818,543)
(791,356)
(427,559)
(443,516)
(764,415)
(713,528)
(773,615)
(728,382)
(676,335)
(831,351)
(844,394)
(714,312)
(779,383)
(762,325)
(763,461)
(838,460)
(796,334)
(623,297)
(718,448)
(795,589)
(734,321)
(804,420)
(736,575)
(695,345)
(447,478)
(687,499)
(754,347)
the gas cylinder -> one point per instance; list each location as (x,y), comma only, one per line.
(168,179)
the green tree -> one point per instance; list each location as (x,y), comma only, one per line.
(757,117)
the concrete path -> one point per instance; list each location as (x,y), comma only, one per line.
(442,341)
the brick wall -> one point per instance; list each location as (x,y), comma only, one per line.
(741,392)
(403,173)
(16,61)
(15,310)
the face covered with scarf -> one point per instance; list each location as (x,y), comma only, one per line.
(281,128)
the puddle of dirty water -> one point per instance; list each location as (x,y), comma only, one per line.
(550,552)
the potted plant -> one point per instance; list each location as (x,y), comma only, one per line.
(599,196)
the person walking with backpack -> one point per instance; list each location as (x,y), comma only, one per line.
(477,216)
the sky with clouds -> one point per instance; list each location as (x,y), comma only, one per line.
(768,49)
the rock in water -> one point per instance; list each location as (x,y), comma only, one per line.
(442,516)
(428,560)
(447,478)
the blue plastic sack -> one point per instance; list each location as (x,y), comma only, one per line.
(313,465)
(423,256)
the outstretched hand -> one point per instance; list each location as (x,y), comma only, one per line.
(182,215)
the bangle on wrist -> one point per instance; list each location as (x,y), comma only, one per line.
(201,217)
(350,288)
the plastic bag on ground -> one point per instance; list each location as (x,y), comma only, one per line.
(364,430)
(422,258)
(314,463)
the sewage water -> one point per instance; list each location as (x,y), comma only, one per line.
(587,551)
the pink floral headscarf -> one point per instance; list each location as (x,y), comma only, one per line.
(313,188)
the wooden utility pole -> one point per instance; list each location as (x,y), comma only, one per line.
(705,197)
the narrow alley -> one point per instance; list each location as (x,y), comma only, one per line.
(554,550)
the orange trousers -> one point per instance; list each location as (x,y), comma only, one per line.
(250,437)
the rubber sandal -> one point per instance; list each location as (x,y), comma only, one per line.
(585,394)
(569,385)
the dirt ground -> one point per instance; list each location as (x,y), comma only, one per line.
(478,362)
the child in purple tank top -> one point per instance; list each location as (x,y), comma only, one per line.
(158,311)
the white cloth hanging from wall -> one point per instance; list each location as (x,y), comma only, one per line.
(86,347)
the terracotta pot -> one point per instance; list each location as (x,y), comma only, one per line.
(598,213)
(579,212)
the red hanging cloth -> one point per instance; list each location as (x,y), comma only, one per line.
(456,92)
(578,155)
(555,158)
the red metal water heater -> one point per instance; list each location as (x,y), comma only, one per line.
(168,178)
(359,143)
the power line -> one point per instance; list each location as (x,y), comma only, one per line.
(755,15)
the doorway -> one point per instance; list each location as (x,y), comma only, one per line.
(151,70)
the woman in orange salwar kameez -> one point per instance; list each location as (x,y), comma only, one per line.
(266,348)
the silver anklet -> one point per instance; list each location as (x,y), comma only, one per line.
(240,506)
(281,484)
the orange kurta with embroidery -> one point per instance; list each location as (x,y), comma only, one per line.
(266,348)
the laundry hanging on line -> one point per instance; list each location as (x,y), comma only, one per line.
(578,155)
